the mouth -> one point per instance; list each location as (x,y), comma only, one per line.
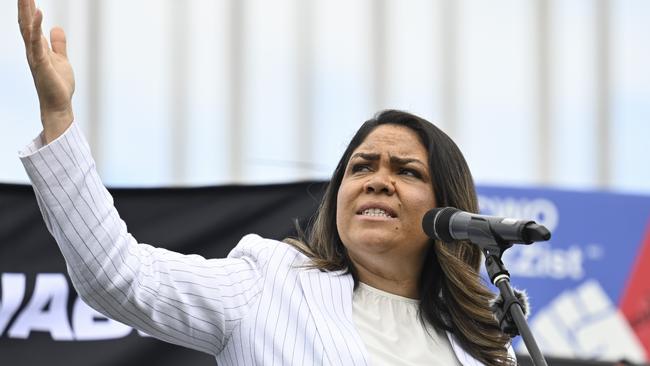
(380,212)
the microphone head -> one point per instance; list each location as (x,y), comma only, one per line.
(536,232)
(436,223)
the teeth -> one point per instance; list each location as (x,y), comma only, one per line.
(375,212)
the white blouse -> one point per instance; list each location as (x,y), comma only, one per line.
(393,333)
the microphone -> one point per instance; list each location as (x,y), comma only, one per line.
(449,224)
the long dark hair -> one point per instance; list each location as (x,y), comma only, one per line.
(452,294)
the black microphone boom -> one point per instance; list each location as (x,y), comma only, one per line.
(449,224)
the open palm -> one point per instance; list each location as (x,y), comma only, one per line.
(51,70)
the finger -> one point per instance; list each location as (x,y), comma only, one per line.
(58,41)
(36,35)
(31,6)
(25,15)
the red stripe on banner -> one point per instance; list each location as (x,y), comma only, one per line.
(635,303)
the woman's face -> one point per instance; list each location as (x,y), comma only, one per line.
(385,192)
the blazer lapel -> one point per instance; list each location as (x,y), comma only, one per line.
(321,291)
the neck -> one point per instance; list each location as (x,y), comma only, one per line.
(397,278)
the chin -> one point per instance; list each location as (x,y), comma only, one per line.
(373,242)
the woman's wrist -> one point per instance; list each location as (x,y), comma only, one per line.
(55,123)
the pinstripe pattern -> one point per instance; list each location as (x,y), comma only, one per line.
(255,307)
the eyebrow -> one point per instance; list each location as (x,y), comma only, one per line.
(393,159)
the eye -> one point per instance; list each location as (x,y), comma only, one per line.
(360,167)
(410,172)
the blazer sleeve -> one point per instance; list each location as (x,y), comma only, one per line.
(183,299)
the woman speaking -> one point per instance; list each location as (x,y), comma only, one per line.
(363,286)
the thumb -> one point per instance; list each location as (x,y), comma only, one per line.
(58,41)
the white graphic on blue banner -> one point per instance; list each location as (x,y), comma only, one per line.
(584,323)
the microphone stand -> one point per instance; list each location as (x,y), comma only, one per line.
(500,277)
(512,308)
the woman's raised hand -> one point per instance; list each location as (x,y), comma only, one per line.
(51,70)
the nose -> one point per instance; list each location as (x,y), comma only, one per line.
(380,183)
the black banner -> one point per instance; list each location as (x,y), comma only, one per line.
(42,322)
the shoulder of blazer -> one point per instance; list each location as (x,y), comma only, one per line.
(259,251)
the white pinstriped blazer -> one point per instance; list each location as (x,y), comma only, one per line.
(255,307)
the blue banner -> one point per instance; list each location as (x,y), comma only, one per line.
(578,281)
